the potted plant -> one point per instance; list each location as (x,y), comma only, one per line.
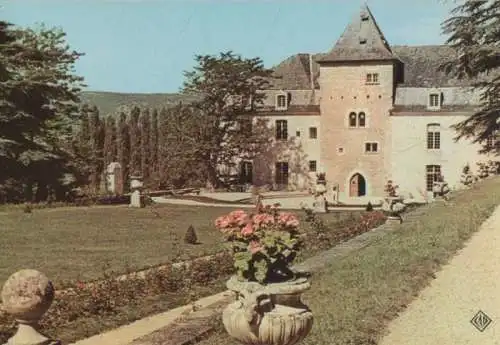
(467,179)
(440,189)
(393,204)
(268,309)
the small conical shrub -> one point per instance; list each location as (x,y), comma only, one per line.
(369,207)
(27,208)
(191,237)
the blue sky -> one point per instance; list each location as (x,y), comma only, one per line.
(144,46)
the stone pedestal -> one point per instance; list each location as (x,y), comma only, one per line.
(136,187)
(320,204)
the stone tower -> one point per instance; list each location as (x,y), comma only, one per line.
(357,81)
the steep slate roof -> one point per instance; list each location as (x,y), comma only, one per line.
(362,39)
(421,66)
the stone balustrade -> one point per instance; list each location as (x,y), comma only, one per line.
(27,295)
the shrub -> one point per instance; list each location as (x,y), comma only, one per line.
(369,207)
(190,236)
(27,208)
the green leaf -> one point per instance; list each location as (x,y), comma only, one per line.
(261,268)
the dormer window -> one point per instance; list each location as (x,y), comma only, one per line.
(372,78)
(364,17)
(362,40)
(435,101)
(282,101)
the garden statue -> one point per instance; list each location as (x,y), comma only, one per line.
(393,204)
(440,189)
(320,203)
(467,178)
(268,309)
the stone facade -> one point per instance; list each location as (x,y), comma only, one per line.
(372,106)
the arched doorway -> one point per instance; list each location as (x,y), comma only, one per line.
(357,185)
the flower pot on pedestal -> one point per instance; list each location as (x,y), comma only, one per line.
(271,314)
(268,310)
(393,206)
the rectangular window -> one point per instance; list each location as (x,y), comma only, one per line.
(281,176)
(433,140)
(246,173)
(281,129)
(434,100)
(433,137)
(371,147)
(491,142)
(312,166)
(432,174)
(372,78)
(313,133)
(297,134)
(281,102)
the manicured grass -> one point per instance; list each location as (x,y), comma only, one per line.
(83,242)
(354,297)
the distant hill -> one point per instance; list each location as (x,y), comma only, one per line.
(113,102)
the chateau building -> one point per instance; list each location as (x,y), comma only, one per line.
(365,113)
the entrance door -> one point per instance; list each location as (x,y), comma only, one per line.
(357,186)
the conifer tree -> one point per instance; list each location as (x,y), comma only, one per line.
(153,147)
(110,154)
(135,141)
(123,147)
(473,30)
(145,149)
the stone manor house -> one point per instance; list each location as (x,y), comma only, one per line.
(364,113)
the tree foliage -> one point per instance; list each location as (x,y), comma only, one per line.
(474,31)
(39,96)
(229,89)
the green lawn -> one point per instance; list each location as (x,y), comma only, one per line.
(354,297)
(81,242)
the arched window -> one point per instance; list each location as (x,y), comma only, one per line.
(352,120)
(361,119)
(433,136)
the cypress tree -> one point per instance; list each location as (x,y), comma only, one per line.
(145,149)
(135,141)
(153,148)
(123,147)
(110,149)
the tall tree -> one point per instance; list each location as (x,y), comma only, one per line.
(144,125)
(153,146)
(135,141)
(179,153)
(110,154)
(123,147)
(39,96)
(473,29)
(229,90)
(96,153)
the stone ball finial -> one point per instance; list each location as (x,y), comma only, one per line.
(27,295)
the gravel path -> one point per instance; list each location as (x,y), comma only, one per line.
(443,312)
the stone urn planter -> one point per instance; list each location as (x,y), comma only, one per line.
(268,309)
(393,206)
(271,314)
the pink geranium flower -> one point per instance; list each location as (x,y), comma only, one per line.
(254,247)
(247,230)
(288,220)
(263,219)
